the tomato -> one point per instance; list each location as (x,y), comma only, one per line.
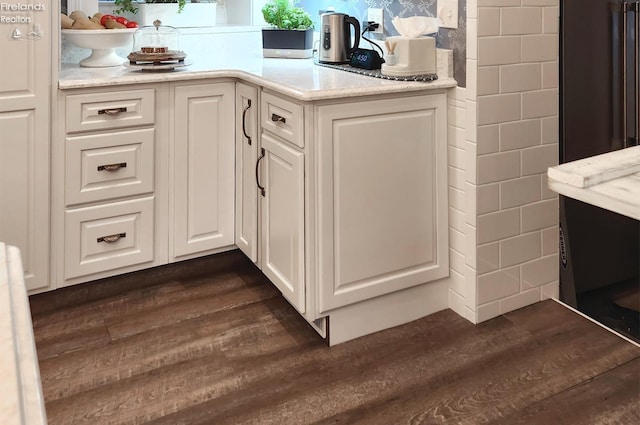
(104,19)
(122,20)
(132,24)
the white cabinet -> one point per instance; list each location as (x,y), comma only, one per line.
(247,141)
(145,176)
(203,168)
(270,189)
(281,188)
(350,220)
(283,218)
(25,79)
(382,197)
(106,201)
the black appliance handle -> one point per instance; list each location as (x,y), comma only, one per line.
(625,109)
(637,71)
(627,9)
(350,20)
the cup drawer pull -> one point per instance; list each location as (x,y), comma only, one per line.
(112,111)
(112,238)
(278,118)
(112,167)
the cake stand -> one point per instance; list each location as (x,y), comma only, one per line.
(103,44)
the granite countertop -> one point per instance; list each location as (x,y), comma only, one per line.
(298,78)
(610,181)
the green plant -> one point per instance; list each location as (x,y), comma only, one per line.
(283,14)
(132,5)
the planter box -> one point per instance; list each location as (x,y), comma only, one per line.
(278,43)
(193,14)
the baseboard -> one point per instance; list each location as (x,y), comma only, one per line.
(386,311)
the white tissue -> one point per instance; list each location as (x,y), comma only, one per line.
(416,26)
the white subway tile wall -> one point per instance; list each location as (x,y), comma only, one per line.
(520,20)
(520,77)
(512,91)
(461,297)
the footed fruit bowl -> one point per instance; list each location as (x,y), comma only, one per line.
(102,44)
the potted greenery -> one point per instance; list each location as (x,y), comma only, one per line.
(132,6)
(194,13)
(291,34)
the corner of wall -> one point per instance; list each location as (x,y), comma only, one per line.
(503,217)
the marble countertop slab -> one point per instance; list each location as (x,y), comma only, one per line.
(610,181)
(298,78)
(22,402)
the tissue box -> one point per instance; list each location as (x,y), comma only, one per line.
(414,56)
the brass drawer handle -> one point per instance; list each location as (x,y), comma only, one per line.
(112,111)
(112,167)
(278,118)
(112,238)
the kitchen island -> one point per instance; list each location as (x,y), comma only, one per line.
(22,402)
(610,181)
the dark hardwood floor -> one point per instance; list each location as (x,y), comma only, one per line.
(210,341)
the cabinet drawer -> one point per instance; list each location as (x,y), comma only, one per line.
(106,166)
(283,118)
(108,236)
(98,111)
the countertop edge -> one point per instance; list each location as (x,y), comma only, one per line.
(300,94)
(21,370)
(619,192)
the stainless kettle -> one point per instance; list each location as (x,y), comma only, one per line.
(335,37)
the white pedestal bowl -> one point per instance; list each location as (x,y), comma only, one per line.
(102,44)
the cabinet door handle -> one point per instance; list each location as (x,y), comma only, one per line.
(112,167)
(278,118)
(112,238)
(112,111)
(262,154)
(244,114)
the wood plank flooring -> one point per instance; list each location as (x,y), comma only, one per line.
(210,341)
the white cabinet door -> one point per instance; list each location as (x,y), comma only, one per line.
(203,168)
(246,157)
(283,218)
(382,197)
(24,147)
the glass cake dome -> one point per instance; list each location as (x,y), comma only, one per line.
(156,38)
(156,46)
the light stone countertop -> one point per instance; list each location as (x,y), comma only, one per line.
(22,402)
(610,181)
(297,78)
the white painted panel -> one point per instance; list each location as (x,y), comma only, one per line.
(246,156)
(87,246)
(109,110)
(283,219)
(24,210)
(203,168)
(384,195)
(25,84)
(88,157)
(283,118)
(382,212)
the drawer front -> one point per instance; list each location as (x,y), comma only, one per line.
(100,111)
(283,118)
(107,166)
(108,236)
